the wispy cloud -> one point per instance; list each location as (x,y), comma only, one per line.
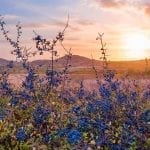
(11,17)
(74,24)
(51,25)
(33,25)
(84,22)
(147,9)
(116,4)
(72,39)
(111,3)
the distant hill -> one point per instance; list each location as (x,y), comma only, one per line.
(83,62)
(3,62)
(76,61)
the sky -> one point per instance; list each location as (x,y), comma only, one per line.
(125,24)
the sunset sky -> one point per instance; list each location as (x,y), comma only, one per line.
(125,23)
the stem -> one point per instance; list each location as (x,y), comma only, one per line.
(52,67)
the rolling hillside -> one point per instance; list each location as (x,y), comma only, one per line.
(80,62)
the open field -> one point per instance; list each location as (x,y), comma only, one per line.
(16,79)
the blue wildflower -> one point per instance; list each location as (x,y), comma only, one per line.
(14,101)
(74,136)
(102,140)
(76,109)
(91,96)
(131,119)
(91,108)
(109,75)
(30,78)
(47,138)
(84,123)
(72,99)
(2,116)
(54,78)
(106,105)
(3,113)
(81,92)
(127,137)
(21,134)
(115,85)
(65,95)
(142,129)
(116,147)
(25,95)
(6,86)
(40,115)
(63,132)
(133,95)
(146,94)
(145,116)
(24,106)
(104,91)
(28,85)
(69,99)
(121,97)
(100,125)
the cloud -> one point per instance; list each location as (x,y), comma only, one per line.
(72,39)
(110,3)
(11,17)
(44,24)
(62,24)
(74,28)
(85,22)
(33,25)
(136,6)
(120,3)
(147,9)
(74,25)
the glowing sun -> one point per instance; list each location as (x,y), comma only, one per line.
(136,45)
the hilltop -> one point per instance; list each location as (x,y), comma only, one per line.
(84,65)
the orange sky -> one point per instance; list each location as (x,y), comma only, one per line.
(118,19)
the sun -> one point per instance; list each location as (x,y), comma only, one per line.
(135,45)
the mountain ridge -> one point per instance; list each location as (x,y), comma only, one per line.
(84,62)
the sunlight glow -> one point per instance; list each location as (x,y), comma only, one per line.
(135,46)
